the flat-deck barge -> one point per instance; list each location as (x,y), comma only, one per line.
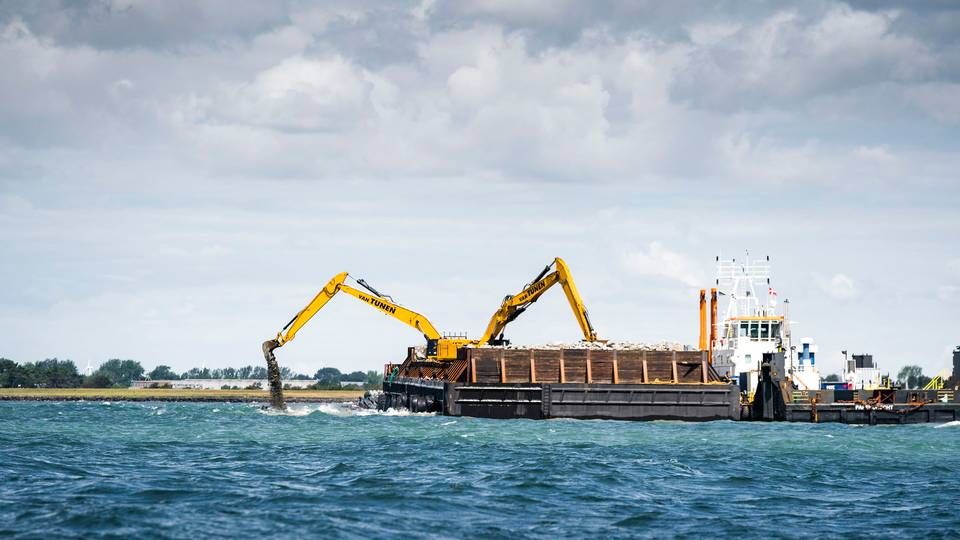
(634,385)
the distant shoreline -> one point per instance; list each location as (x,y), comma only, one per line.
(166,394)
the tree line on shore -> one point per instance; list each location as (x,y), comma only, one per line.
(55,373)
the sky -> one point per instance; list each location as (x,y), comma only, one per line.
(178,178)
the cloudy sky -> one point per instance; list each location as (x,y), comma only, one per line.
(178,178)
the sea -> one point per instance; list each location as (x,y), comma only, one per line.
(99,469)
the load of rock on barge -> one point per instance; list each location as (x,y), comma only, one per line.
(633,382)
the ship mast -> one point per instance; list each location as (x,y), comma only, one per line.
(740,281)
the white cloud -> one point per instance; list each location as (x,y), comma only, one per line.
(878,154)
(242,143)
(788,58)
(531,11)
(711,33)
(292,101)
(948,293)
(659,261)
(301,94)
(840,287)
(939,100)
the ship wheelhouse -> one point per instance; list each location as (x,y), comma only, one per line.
(743,340)
(766,329)
(752,327)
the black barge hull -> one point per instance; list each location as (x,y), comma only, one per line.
(875,415)
(585,401)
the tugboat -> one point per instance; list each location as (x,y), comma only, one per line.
(752,327)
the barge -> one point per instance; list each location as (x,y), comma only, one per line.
(564,383)
(746,367)
(589,383)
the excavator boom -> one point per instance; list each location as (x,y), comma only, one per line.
(513,306)
(438,347)
(575,301)
(289,331)
(304,315)
(402,314)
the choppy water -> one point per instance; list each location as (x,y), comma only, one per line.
(187,470)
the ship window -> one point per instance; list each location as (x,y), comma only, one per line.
(775,330)
(764,330)
(730,331)
(743,329)
(754,330)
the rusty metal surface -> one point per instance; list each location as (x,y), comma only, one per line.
(422,369)
(863,413)
(588,366)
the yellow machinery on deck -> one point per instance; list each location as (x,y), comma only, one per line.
(438,346)
(937,382)
(514,305)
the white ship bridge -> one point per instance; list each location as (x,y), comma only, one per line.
(751,326)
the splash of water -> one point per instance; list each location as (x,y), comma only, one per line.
(342,409)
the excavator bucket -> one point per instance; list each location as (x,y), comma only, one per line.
(273,375)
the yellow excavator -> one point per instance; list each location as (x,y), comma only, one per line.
(514,305)
(438,346)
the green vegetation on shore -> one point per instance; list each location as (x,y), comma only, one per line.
(117,373)
(167,394)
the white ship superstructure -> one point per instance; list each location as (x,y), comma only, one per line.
(861,373)
(803,365)
(751,327)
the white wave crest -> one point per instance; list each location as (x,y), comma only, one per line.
(344,409)
(955,423)
(291,410)
(350,409)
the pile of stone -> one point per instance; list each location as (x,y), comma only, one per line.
(608,346)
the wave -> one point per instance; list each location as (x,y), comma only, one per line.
(336,409)
(955,423)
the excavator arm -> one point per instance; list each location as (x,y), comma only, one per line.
(437,346)
(303,316)
(514,305)
(371,297)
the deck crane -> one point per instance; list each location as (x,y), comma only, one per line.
(513,305)
(438,347)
